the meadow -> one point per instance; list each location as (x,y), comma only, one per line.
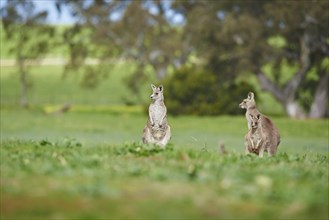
(89,163)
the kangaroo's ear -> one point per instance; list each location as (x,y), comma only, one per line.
(153,86)
(161,88)
(250,95)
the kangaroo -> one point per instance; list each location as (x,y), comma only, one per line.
(250,105)
(265,134)
(157,130)
(255,140)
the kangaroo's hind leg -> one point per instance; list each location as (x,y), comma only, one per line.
(166,138)
(247,144)
(272,150)
(261,150)
(147,136)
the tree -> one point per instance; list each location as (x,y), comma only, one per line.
(305,34)
(241,37)
(135,30)
(28,36)
(230,38)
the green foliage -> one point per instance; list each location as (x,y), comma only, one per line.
(273,32)
(56,48)
(191,90)
(25,31)
(141,150)
(67,142)
(277,42)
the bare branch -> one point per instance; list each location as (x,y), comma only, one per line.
(267,84)
(304,63)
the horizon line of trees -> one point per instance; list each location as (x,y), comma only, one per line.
(231,39)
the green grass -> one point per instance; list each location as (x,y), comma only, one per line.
(43,179)
(116,125)
(89,163)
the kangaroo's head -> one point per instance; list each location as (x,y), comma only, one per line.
(255,120)
(157,94)
(249,102)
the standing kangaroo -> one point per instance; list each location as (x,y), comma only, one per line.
(256,140)
(157,130)
(262,134)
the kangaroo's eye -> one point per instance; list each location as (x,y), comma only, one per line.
(156,93)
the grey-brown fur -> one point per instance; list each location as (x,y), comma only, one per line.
(250,105)
(262,134)
(255,140)
(157,130)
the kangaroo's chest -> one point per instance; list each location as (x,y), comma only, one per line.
(256,136)
(157,112)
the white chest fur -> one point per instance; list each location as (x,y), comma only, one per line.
(157,112)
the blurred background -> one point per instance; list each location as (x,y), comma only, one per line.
(208,54)
(75,88)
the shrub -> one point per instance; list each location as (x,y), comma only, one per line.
(197,91)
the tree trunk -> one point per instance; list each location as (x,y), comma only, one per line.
(319,107)
(286,95)
(293,109)
(23,79)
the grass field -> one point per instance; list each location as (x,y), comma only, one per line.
(89,163)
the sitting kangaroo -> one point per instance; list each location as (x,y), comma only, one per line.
(157,130)
(262,134)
